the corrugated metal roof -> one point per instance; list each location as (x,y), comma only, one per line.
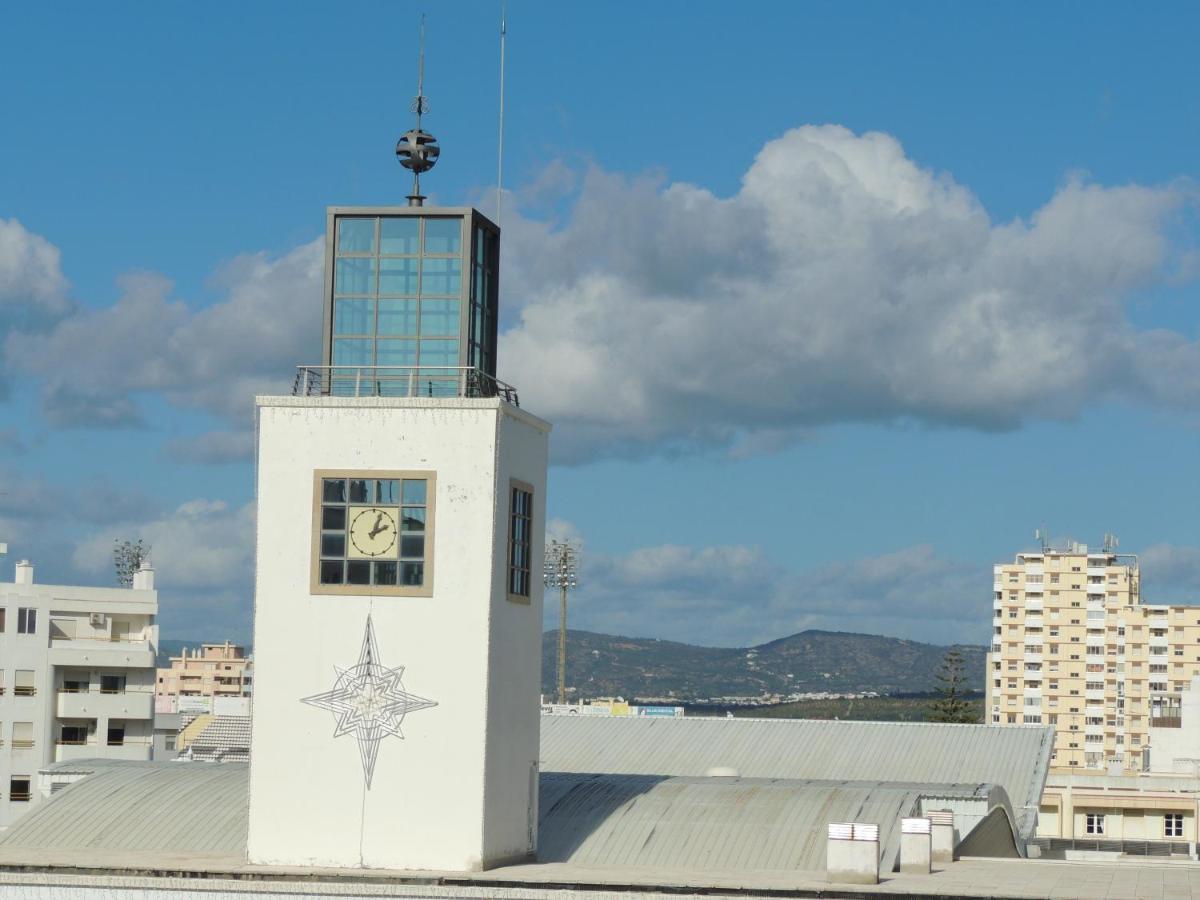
(743,824)
(196,808)
(736,824)
(1015,758)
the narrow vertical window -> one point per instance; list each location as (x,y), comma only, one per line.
(26,620)
(520,532)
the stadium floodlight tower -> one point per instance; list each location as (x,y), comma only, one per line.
(401,504)
(562,572)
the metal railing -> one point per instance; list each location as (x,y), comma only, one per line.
(400,381)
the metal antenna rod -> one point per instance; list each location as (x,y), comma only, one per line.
(500,144)
(416,150)
(419,102)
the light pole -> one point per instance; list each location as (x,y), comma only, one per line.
(562,572)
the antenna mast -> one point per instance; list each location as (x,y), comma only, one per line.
(500,144)
(418,150)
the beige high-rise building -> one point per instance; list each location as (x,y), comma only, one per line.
(1073,646)
(215,670)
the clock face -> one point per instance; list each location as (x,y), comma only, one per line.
(372,532)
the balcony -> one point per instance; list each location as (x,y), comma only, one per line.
(132,748)
(95,704)
(119,653)
(400,381)
(1166,722)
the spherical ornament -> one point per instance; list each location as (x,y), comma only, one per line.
(417,151)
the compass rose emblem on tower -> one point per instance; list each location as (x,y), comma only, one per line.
(368,701)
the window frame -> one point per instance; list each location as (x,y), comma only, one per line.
(1173,825)
(525,599)
(1094,823)
(316,588)
(26,614)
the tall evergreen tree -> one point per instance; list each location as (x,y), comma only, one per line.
(952,704)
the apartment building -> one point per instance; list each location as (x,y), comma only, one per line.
(194,679)
(1073,646)
(76,677)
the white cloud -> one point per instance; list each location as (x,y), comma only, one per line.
(32,284)
(94,363)
(843,282)
(737,596)
(1170,574)
(201,544)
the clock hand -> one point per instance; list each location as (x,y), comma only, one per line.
(375,529)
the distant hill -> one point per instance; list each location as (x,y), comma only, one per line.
(600,665)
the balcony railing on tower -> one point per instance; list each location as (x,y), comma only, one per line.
(400,381)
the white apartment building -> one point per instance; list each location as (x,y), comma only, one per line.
(1073,646)
(76,677)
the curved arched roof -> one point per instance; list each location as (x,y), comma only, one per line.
(735,824)
(1015,758)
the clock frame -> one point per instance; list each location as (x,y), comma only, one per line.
(373,549)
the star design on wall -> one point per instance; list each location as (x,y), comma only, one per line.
(369,701)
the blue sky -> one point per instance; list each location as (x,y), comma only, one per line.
(831,304)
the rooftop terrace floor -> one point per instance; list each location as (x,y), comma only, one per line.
(82,874)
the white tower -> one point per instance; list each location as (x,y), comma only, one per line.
(396,716)
(401,504)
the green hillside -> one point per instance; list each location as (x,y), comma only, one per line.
(600,665)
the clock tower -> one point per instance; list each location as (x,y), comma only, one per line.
(398,599)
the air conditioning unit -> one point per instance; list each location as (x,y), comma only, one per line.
(97,619)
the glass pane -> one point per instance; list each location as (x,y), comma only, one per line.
(385,573)
(443,235)
(412,574)
(333,544)
(333,490)
(353,316)
(356,235)
(333,517)
(358,571)
(352,351)
(439,353)
(399,276)
(414,492)
(439,317)
(398,317)
(398,234)
(412,546)
(360,490)
(331,571)
(479,245)
(413,518)
(440,276)
(396,353)
(388,492)
(354,276)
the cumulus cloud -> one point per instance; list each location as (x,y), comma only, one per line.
(843,282)
(32,285)
(1170,574)
(94,363)
(737,596)
(200,544)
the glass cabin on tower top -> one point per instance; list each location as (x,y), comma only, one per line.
(410,299)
